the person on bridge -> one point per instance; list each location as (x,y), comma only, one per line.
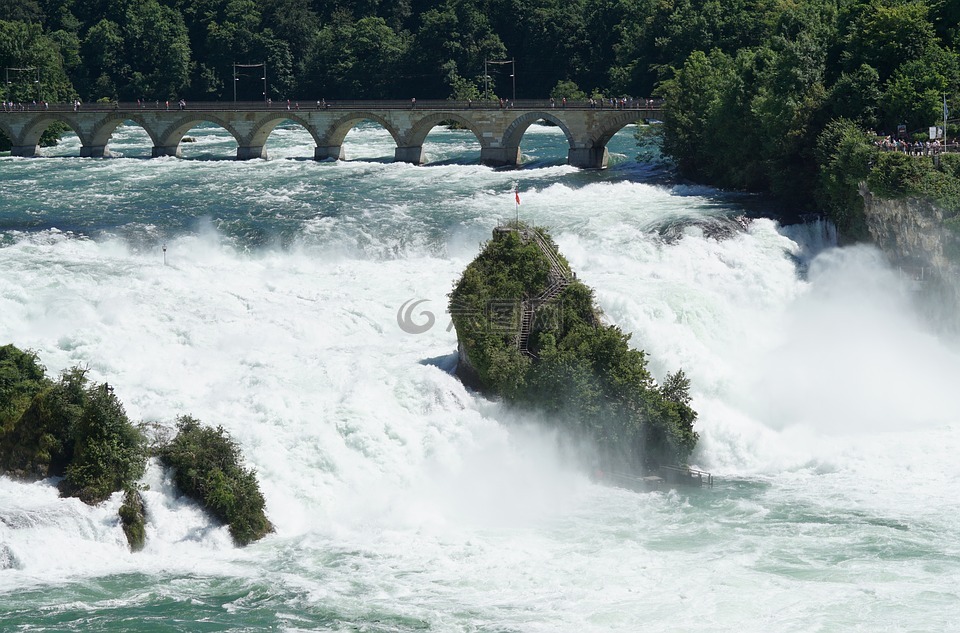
(413,102)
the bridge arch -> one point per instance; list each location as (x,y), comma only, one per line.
(339,129)
(265,127)
(104,131)
(34,129)
(168,140)
(613,125)
(418,133)
(6,130)
(516,129)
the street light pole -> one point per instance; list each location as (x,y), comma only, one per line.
(486,92)
(262,65)
(513,75)
(7,70)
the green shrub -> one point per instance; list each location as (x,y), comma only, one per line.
(206,467)
(844,156)
(109,453)
(68,428)
(40,443)
(21,378)
(897,175)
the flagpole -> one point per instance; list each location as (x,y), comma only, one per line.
(944,121)
(516,192)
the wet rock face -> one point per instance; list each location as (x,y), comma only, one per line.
(908,230)
(713,227)
(133,520)
(8,559)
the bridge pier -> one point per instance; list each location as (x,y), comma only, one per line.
(588,157)
(27,151)
(500,156)
(94,151)
(328,151)
(412,154)
(167,150)
(248,152)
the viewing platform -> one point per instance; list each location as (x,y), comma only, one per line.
(498,128)
(666,477)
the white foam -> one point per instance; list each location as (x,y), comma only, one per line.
(823,399)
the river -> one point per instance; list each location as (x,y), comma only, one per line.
(262,296)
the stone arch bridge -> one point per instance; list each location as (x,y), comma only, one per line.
(499,130)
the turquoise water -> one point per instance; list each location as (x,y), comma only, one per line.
(404,502)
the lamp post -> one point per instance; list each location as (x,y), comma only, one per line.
(513,75)
(36,81)
(236,79)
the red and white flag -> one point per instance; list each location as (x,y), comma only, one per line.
(517,194)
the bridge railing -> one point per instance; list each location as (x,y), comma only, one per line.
(650,106)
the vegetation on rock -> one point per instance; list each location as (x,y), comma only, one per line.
(68,428)
(78,431)
(133,519)
(848,158)
(206,464)
(582,373)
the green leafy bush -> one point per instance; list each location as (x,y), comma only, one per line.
(109,453)
(897,175)
(40,442)
(67,428)
(206,466)
(844,156)
(21,377)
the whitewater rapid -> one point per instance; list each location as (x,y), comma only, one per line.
(403,501)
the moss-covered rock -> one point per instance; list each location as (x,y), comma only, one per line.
(207,468)
(566,363)
(133,519)
(79,431)
(68,428)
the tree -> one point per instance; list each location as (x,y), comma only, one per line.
(844,156)
(569,90)
(692,97)
(109,452)
(886,33)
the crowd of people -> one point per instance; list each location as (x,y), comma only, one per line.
(19,106)
(915,148)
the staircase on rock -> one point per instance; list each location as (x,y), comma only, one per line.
(559,278)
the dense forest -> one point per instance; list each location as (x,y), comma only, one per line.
(762,80)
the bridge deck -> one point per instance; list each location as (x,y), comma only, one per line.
(263,106)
